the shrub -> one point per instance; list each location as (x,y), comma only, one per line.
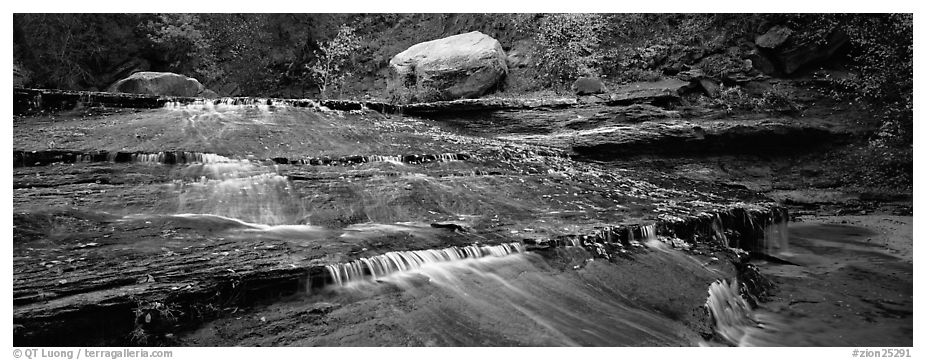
(333,60)
(779,99)
(883,56)
(881,53)
(72,51)
(647,57)
(733,98)
(569,47)
(776,99)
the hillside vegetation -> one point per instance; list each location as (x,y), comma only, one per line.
(275,54)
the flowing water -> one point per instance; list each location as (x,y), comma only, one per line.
(474,294)
(737,322)
(519,299)
(241,192)
(380,266)
(488,298)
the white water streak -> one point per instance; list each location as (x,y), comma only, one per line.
(380,266)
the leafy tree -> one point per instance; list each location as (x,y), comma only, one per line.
(240,45)
(883,58)
(182,42)
(569,47)
(333,60)
(881,55)
(74,51)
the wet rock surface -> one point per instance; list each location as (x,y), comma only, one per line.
(848,282)
(278,192)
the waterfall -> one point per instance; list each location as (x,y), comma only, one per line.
(648,231)
(447,157)
(731,313)
(718,229)
(775,239)
(224,104)
(739,324)
(242,191)
(390,159)
(400,261)
(182,157)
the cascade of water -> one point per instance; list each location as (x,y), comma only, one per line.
(605,234)
(648,232)
(513,294)
(718,229)
(399,261)
(446,157)
(235,191)
(775,240)
(225,104)
(390,159)
(731,313)
(178,157)
(148,158)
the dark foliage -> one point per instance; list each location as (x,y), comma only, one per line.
(271,54)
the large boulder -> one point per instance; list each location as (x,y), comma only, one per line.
(158,83)
(589,86)
(460,66)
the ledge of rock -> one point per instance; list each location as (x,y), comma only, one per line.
(27,101)
(485,105)
(662,91)
(675,136)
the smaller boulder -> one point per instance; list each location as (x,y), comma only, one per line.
(774,37)
(588,86)
(158,83)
